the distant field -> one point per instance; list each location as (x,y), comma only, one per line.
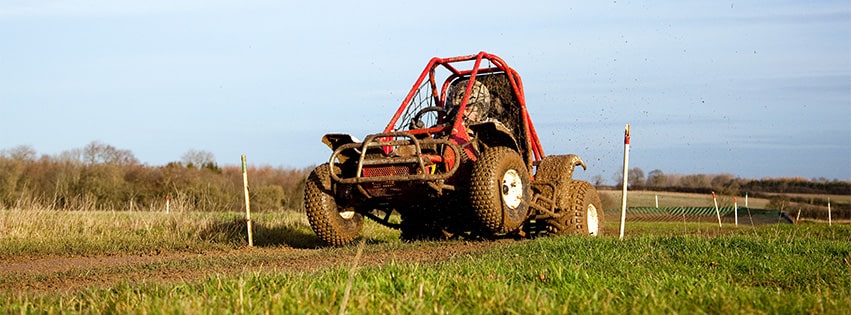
(834,199)
(675,199)
(141,262)
(673,205)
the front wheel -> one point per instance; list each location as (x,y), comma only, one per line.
(333,224)
(500,191)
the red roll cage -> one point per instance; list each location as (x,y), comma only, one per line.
(497,65)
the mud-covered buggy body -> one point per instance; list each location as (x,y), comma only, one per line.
(460,157)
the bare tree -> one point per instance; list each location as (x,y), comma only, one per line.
(198,159)
(618,178)
(20,153)
(636,178)
(695,181)
(722,181)
(96,152)
(656,179)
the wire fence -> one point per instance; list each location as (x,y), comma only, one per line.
(728,215)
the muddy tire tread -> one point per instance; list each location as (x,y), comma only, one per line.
(322,211)
(581,194)
(485,196)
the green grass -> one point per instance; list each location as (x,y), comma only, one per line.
(643,198)
(663,269)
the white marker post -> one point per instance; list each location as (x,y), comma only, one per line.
(167,200)
(829,220)
(746,201)
(736,210)
(717,212)
(657,201)
(247,203)
(625,167)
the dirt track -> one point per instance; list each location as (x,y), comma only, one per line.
(74,273)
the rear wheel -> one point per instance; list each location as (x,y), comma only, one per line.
(333,224)
(500,191)
(583,211)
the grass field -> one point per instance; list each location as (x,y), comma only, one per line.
(95,262)
(674,199)
(815,210)
(835,199)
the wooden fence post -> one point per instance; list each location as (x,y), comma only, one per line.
(247,203)
(829,219)
(736,210)
(717,212)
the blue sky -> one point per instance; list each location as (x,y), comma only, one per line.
(753,88)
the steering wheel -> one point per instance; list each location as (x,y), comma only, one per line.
(417,123)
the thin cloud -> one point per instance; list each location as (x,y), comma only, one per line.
(101,8)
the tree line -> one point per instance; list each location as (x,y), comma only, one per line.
(102,177)
(704,183)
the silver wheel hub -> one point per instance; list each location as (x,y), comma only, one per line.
(593,220)
(512,189)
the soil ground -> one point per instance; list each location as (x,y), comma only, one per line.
(74,273)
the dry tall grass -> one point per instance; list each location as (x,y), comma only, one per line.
(48,232)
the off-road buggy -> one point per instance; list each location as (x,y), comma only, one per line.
(456,160)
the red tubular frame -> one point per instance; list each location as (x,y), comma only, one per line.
(532,142)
